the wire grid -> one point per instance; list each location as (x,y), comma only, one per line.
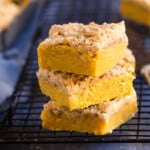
(21,122)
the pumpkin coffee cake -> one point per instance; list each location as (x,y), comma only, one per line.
(98,119)
(89,49)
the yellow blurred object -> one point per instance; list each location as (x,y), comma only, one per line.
(136,10)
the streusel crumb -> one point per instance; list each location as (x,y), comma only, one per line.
(90,37)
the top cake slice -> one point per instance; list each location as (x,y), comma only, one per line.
(89,49)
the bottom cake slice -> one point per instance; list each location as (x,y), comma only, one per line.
(98,119)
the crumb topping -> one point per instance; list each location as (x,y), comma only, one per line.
(89,38)
(143,3)
(103,110)
(8,11)
(146,69)
(71,83)
(146,72)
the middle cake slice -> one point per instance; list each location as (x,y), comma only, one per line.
(80,91)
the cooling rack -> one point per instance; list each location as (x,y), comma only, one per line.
(21,121)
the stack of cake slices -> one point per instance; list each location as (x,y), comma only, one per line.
(88,72)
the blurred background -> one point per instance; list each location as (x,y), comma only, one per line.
(19,22)
(22,19)
(23,24)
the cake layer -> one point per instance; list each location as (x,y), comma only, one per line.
(98,119)
(136,10)
(80,91)
(83,49)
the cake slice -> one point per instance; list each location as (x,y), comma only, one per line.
(136,10)
(80,91)
(98,119)
(89,49)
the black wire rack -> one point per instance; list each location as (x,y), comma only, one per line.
(21,121)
